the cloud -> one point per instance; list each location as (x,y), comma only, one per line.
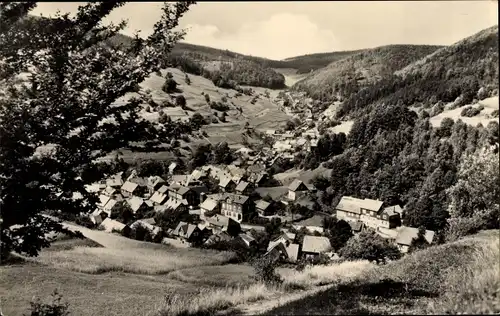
(282,35)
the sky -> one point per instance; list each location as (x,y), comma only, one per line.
(278,30)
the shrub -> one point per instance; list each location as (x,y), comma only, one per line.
(368,245)
(265,270)
(219,106)
(100,227)
(494,113)
(55,308)
(169,86)
(469,111)
(188,81)
(207,98)
(180,100)
(140,232)
(84,221)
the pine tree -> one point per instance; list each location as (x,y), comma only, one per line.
(68,103)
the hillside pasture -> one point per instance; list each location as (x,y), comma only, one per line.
(490,104)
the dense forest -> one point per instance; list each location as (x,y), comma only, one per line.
(457,71)
(310,62)
(344,77)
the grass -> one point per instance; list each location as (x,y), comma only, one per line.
(231,275)
(490,104)
(139,261)
(460,277)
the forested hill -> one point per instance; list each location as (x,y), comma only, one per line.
(346,76)
(310,62)
(454,73)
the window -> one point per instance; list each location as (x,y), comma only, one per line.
(239,217)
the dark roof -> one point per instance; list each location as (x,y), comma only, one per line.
(355,226)
(237,198)
(183,190)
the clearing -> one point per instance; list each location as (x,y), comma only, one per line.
(490,104)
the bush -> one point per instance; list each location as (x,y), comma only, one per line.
(494,113)
(207,98)
(322,259)
(188,81)
(265,270)
(219,106)
(84,221)
(368,245)
(169,86)
(180,100)
(55,308)
(469,111)
(140,232)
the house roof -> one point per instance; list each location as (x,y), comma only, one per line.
(135,203)
(114,182)
(355,226)
(293,251)
(407,234)
(225,181)
(163,189)
(393,210)
(209,204)
(316,244)
(180,229)
(173,204)
(111,203)
(160,208)
(172,166)
(109,190)
(179,178)
(129,186)
(354,205)
(237,198)
(158,197)
(372,205)
(110,224)
(182,190)
(297,185)
(262,205)
(139,180)
(154,181)
(199,189)
(247,238)
(242,186)
(218,220)
(103,199)
(316,220)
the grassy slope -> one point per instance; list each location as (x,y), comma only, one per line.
(365,67)
(458,277)
(490,104)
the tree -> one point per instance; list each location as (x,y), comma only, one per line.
(75,76)
(187,79)
(368,245)
(339,233)
(169,86)
(197,119)
(273,228)
(420,242)
(123,213)
(180,100)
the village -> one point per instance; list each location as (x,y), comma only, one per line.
(242,202)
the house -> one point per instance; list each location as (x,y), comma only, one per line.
(114,182)
(187,232)
(219,223)
(158,198)
(111,206)
(154,183)
(244,187)
(370,212)
(312,246)
(128,189)
(109,191)
(210,206)
(103,199)
(97,216)
(247,239)
(175,205)
(138,205)
(184,194)
(356,226)
(284,248)
(263,208)
(226,184)
(237,207)
(406,235)
(222,236)
(296,189)
(179,179)
(313,224)
(111,225)
(148,223)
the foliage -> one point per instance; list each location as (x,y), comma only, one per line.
(68,102)
(338,232)
(122,213)
(265,270)
(170,219)
(84,220)
(219,106)
(55,308)
(180,100)
(169,86)
(141,232)
(368,245)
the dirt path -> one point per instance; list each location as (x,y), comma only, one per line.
(263,306)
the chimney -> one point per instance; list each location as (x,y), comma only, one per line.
(203,197)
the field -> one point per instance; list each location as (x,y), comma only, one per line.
(460,277)
(490,104)
(287,177)
(106,272)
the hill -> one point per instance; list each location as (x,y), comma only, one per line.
(343,77)
(306,63)
(462,73)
